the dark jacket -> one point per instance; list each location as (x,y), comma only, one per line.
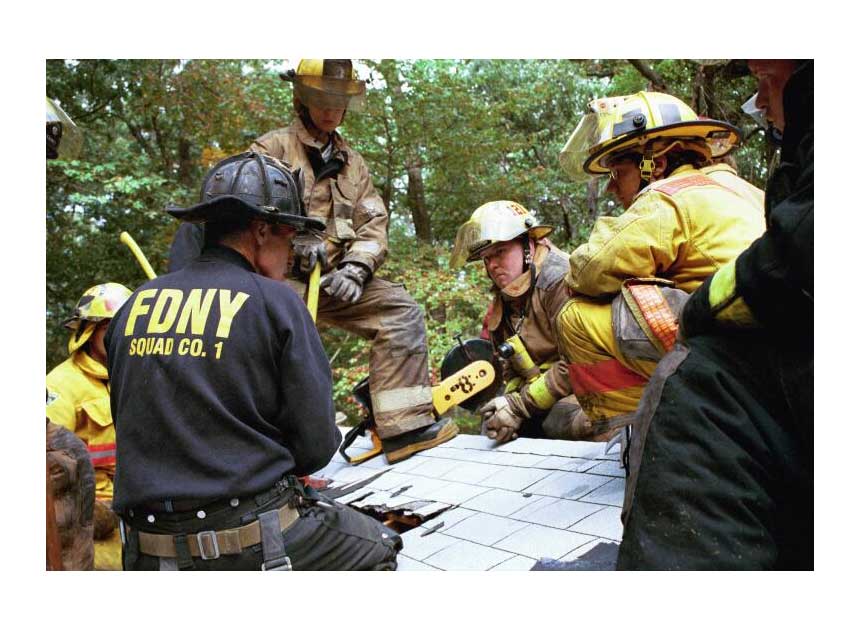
(219,385)
(770,284)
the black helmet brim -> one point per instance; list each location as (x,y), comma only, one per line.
(225,207)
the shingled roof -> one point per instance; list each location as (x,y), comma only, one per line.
(485,507)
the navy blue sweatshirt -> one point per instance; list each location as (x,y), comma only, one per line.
(219,385)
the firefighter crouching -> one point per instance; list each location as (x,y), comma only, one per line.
(527,272)
(351,246)
(222,396)
(722,454)
(684,219)
(79,400)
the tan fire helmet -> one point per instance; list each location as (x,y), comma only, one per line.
(494,222)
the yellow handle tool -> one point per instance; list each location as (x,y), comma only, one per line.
(313,292)
(126,238)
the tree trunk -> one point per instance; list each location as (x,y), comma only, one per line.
(593,195)
(417,202)
(565,216)
(388,187)
(186,165)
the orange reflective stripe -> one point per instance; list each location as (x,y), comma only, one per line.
(603,376)
(102,454)
(658,315)
(671,187)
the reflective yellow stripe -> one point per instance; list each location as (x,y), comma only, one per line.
(722,289)
(540,393)
(727,306)
(514,385)
(402,398)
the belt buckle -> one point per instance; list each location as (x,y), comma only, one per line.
(278,564)
(211,538)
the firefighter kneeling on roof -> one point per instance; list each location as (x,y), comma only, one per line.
(685,217)
(211,439)
(528,272)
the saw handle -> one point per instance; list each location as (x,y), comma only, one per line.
(126,238)
(313,291)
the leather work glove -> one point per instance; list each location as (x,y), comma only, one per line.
(347,283)
(308,249)
(503,416)
(104,521)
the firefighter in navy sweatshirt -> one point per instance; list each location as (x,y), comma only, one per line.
(222,395)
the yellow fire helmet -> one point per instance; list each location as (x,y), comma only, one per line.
(96,304)
(649,123)
(327,84)
(494,222)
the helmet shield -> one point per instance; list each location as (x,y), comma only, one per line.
(752,110)
(64,139)
(494,222)
(329,93)
(575,151)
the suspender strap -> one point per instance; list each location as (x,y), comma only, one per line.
(274,554)
(130,545)
(183,553)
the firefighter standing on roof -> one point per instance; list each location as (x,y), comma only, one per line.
(79,400)
(527,272)
(222,396)
(338,190)
(685,218)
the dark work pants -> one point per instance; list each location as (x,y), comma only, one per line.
(326,537)
(724,478)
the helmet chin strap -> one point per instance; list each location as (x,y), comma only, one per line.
(646,166)
(527,253)
(524,300)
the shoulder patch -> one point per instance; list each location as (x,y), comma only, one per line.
(672,187)
(52,396)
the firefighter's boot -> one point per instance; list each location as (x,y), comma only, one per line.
(402,446)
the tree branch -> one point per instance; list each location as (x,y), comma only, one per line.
(646,71)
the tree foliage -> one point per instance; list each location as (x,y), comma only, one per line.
(441,137)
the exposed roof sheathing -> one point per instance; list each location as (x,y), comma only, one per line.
(485,507)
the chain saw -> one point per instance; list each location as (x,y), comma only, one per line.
(471,376)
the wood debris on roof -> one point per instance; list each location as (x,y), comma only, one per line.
(472,505)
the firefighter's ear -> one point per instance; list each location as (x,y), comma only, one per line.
(660,163)
(260,230)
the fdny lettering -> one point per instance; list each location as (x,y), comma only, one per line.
(171,310)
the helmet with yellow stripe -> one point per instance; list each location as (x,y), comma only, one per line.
(98,303)
(649,124)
